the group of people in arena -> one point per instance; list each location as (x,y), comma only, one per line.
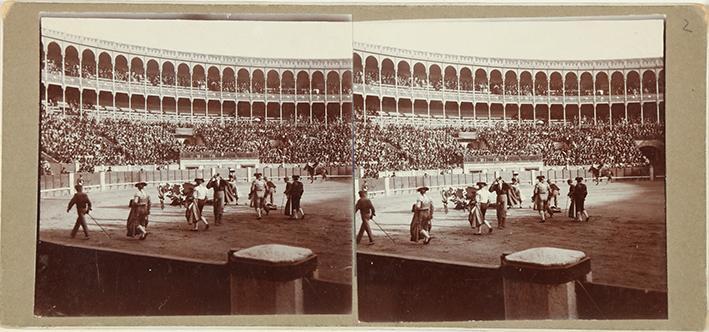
(194,196)
(476,199)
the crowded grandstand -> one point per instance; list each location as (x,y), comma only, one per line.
(404,120)
(104,105)
(563,113)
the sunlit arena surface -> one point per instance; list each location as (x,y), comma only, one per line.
(326,228)
(625,236)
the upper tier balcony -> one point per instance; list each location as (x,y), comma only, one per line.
(444,95)
(148,89)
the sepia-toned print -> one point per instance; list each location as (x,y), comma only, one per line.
(190,167)
(510,169)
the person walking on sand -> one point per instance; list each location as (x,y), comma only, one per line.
(83,206)
(422,216)
(140,209)
(482,200)
(219,185)
(258,194)
(296,193)
(366,209)
(501,190)
(570,197)
(541,198)
(580,193)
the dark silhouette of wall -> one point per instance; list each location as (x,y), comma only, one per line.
(77,281)
(392,288)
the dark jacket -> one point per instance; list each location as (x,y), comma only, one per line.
(81,200)
(218,185)
(297,189)
(500,188)
(580,191)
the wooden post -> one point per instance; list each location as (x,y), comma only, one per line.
(268,279)
(539,283)
(72,181)
(652,173)
(102,180)
(387,187)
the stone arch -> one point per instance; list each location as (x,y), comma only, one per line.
(88,64)
(214,79)
(152,72)
(511,83)
(571,84)
(168,73)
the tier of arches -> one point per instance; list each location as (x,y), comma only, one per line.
(69,61)
(506,81)
(77,101)
(569,113)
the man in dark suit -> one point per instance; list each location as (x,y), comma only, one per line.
(83,206)
(218,199)
(296,193)
(287,208)
(580,193)
(501,189)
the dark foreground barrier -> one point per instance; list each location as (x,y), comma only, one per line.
(394,288)
(77,281)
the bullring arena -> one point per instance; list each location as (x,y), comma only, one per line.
(440,120)
(113,114)
(625,238)
(325,230)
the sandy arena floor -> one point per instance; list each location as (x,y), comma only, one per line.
(326,229)
(626,237)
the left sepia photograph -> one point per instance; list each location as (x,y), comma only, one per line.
(191,167)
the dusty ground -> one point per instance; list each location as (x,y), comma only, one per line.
(326,229)
(626,237)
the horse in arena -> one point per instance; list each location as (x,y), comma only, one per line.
(313,170)
(599,172)
(176,193)
(458,197)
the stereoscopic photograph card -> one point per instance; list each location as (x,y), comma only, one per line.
(361,166)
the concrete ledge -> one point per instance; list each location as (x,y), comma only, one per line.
(546,265)
(273,262)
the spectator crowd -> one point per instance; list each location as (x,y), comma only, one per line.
(93,142)
(392,147)
(378,147)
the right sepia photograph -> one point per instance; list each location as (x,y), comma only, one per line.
(510,169)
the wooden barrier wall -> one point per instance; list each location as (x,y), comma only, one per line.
(76,281)
(63,184)
(407,184)
(393,288)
